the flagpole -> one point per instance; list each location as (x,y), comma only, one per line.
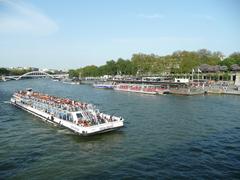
(198,77)
(199,71)
(192,75)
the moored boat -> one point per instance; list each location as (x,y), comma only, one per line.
(81,118)
(104,85)
(142,88)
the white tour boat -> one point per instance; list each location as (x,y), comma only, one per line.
(142,88)
(82,118)
(104,85)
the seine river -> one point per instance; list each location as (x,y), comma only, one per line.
(174,137)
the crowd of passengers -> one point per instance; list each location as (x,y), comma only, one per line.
(61,103)
(69,105)
(100,119)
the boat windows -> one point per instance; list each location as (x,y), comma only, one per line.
(69,117)
(79,115)
(60,115)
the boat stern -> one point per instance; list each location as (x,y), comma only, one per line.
(102,128)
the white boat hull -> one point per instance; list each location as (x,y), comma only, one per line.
(135,91)
(103,86)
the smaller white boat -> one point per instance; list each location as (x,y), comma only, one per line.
(70,82)
(104,85)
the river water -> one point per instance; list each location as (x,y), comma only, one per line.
(175,137)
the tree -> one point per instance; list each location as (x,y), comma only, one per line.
(89,71)
(124,67)
(111,67)
(73,73)
(234,58)
(102,70)
(18,71)
(143,62)
(177,62)
(4,71)
(207,57)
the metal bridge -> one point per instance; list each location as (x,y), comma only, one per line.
(35,74)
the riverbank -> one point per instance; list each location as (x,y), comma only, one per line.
(176,88)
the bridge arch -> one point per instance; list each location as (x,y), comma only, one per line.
(35,74)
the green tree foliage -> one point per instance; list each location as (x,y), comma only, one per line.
(148,64)
(103,70)
(89,71)
(73,73)
(111,67)
(231,60)
(188,61)
(207,57)
(15,71)
(4,71)
(125,67)
(143,62)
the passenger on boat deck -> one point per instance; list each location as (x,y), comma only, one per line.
(63,103)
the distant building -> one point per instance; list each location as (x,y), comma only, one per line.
(181,80)
(34,69)
(25,68)
(205,68)
(235,68)
(44,70)
(237,81)
(53,71)
(106,77)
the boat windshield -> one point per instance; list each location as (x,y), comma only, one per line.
(79,115)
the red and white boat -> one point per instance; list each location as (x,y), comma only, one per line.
(142,88)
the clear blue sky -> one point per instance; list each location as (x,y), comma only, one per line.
(74,33)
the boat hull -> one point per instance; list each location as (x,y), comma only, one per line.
(136,91)
(103,86)
(153,92)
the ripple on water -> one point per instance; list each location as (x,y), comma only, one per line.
(166,137)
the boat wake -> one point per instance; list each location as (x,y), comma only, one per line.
(6,102)
(65,131)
